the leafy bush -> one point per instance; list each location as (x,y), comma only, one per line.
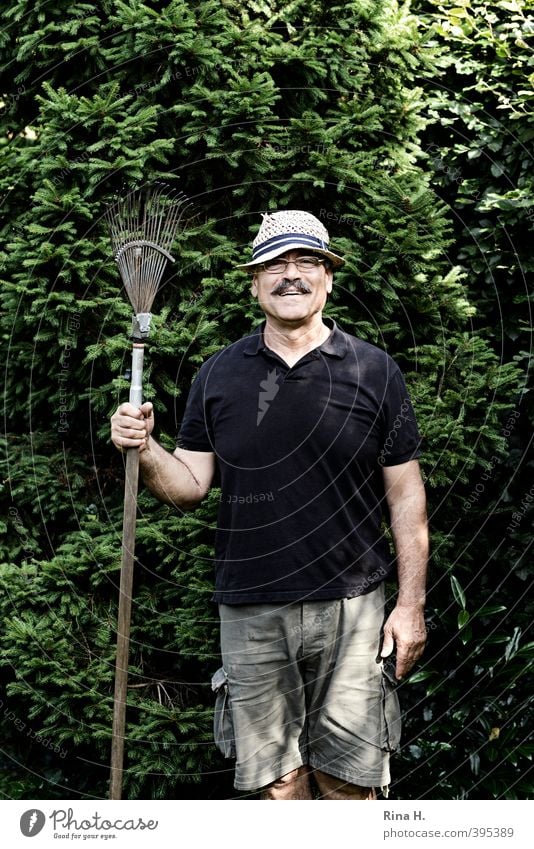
(478,146)
(246,108)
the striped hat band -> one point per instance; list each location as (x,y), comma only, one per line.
(282,243)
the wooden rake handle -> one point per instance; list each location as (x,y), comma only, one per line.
(126,584)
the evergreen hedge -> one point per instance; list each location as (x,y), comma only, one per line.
(478,141)
(246,108)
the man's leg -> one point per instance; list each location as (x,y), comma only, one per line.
(259,646)
(331,787)
(294,785)
(349,729)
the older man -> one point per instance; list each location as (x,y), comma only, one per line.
(314,436)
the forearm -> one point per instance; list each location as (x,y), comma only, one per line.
(169,478)
(409,528)
(405,626)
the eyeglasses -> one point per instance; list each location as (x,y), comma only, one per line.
(303,263)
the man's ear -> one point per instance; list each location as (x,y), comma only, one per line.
(254,286)
(329,280)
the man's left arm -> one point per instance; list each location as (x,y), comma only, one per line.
(405,627)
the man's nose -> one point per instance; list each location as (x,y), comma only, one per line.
(291,272)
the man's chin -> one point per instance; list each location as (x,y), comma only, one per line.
(293,317)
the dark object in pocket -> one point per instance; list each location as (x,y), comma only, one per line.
(223,726)
(391,713)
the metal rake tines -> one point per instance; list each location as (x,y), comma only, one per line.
(143,226)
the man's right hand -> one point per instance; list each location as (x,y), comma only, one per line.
(131,426)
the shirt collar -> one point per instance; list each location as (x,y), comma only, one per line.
(335,346)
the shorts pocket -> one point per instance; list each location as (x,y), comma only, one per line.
(391,713)
(223,727)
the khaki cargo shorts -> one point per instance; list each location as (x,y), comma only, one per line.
(300,684)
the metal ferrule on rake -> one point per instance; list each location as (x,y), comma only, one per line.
(141,327)
(143,227)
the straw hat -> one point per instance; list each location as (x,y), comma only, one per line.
(284,231)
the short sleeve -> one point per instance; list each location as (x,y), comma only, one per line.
(400,440)
(195,432)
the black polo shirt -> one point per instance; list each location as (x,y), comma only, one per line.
(300,452)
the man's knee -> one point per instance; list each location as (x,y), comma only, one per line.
(331,787)
(293,785)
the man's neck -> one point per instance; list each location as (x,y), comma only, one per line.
(292,343)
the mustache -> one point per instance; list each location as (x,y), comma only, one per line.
(299,285)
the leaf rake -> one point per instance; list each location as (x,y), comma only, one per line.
(143,226)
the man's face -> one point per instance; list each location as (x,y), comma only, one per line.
(293,296)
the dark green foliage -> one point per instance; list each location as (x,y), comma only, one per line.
(481,148)
(478,145)
(246,107)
